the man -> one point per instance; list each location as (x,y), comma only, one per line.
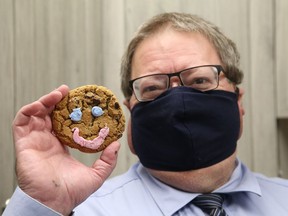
(179,78)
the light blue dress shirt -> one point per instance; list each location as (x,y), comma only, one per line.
(137,193)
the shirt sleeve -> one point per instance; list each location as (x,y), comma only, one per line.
(24,205)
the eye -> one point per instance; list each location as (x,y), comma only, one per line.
(200,80)
(202,83)
(97,111)
(152,91)
(151,86)
(148,89)
(76,115)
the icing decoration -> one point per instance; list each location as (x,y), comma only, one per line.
(92,144)
(76,115)
(97,111)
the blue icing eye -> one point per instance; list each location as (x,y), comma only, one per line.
(76,115)
(97,111)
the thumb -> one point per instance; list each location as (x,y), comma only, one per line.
(104,166)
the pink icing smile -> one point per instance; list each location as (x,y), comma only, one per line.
(92,144)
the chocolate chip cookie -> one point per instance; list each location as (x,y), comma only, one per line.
(89,118)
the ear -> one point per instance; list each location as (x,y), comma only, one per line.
(240,101)
(129,137)
(241,109)
(126,103)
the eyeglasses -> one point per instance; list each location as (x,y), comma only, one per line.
(202,78)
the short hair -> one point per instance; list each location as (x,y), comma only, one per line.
(183,22)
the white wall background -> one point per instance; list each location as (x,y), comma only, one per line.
(45,43)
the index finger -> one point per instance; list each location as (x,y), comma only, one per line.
(40,107)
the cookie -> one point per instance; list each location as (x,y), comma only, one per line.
(89,118)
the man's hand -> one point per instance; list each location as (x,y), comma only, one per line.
(45,169)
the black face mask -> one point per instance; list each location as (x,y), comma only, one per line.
(185,129)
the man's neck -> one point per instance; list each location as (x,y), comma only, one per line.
(203,180)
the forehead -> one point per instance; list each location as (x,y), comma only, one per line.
(169,51)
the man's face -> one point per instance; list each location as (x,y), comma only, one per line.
(169,51)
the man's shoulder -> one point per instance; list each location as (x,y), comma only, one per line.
(272,182)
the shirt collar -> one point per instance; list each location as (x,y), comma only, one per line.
(242,180)
(170,200)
